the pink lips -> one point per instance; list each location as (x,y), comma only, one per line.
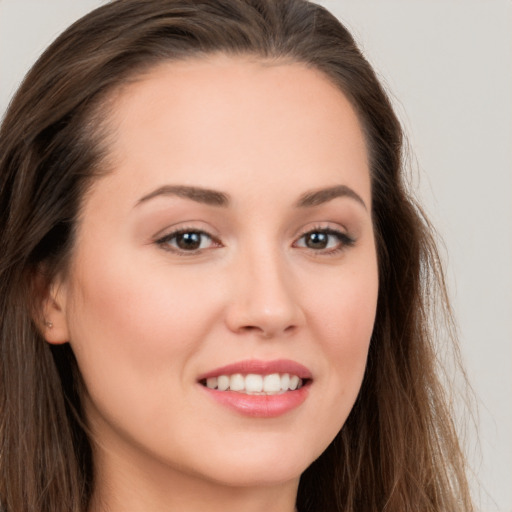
(260,406)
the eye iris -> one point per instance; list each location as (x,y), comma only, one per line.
(317,240)
(188,241)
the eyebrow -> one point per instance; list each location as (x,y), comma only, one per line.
(318,197)
(198,194)
(216,198)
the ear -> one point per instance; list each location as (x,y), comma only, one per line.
(51,316)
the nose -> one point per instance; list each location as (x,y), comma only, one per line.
(264,298)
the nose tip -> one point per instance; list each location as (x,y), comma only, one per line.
(265,304)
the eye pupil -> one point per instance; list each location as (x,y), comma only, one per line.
(317,240)
(188,241)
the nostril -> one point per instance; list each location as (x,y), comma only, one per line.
(257,330)
(267,332)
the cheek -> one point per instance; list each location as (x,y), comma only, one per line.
(347,343)
(345,306)
(129,320)
(341,317)
(135,334)
(344,317)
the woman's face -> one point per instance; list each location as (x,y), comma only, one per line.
(231,245)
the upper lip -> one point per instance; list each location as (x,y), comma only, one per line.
(259,367)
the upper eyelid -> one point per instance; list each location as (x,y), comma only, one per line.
(329,231)
(180,228)
(166,235)
(178,232)
(324,227)
(163,242)
(345,238)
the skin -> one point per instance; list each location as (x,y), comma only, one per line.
(145,319)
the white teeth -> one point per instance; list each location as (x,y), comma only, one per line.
(255,384)
(272,383)
(211,382)
(223,382)
(237,382)
(294,382)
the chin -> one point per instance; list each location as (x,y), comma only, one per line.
(260,475)
(264,467)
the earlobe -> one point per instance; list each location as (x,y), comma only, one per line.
(54,326)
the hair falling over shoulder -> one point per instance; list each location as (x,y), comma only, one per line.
(398,450)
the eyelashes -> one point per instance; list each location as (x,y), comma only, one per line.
(325,240)
(193,241)
(188,241)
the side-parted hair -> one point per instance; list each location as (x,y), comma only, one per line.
(398,450)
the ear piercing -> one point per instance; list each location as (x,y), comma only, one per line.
(48,324)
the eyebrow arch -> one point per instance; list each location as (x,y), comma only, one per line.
(318,197)
(198,194)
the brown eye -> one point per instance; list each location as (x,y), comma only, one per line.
(189,241)
(324,240)
(316,240)
(186,241)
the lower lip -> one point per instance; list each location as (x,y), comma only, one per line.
(260,406)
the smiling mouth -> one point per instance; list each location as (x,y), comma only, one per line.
(255,384)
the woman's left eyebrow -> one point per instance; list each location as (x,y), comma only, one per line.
(318,197)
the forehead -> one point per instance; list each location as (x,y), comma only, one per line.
(206,121)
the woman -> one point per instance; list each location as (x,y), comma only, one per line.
(215,288)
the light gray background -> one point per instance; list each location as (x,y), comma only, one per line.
(448,64)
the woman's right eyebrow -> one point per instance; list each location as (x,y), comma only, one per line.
(198,194)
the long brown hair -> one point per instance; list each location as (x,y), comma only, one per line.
(398,450)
